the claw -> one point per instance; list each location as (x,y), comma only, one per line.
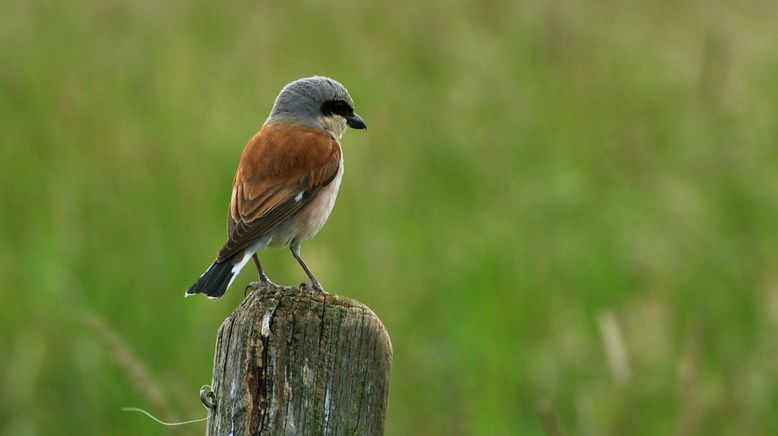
(253,286)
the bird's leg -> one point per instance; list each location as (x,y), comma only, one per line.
(295,247)
(264,280)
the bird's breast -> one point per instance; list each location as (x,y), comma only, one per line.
(311,218)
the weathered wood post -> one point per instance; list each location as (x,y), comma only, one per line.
(291,361)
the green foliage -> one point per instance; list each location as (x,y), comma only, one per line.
(562,212)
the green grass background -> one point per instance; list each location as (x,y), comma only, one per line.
(540,179)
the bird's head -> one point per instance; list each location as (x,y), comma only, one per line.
(319,102)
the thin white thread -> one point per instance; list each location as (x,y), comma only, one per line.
(135,409)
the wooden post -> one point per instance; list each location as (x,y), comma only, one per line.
(291,361)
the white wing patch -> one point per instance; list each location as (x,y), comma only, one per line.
(299,196)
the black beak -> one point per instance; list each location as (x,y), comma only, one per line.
(356,122)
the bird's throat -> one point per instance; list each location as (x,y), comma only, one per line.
(334,124)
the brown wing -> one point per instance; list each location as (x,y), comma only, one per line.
(280,163)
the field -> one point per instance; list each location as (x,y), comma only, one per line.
(565,213)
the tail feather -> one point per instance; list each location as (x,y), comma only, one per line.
(215,281)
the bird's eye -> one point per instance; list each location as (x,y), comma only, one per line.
(337,107)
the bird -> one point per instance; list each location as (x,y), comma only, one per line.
(286,181)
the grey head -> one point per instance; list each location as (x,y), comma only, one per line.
(319,102)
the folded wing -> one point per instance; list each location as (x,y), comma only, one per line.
(282,168)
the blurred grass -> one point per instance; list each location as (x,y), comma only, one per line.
(531,169)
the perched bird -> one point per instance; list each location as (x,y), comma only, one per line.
(286,182)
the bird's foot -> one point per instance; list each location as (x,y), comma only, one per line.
(264,280)
(255,286)
(316,286)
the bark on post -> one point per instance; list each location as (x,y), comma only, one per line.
(292,361)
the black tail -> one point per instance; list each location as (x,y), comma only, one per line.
(214,281)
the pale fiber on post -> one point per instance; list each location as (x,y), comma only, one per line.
(292,361)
